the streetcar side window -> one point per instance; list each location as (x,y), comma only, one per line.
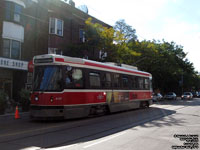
(134,82)
(74,78)
(116,79)
(150,84)
(141,83)
(94,79)
(125,82)
(68,78)
(146,84)
(77,77)
(106,80)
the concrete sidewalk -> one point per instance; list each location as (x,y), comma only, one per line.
(11,116)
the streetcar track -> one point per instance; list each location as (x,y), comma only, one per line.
(125,126)
(139,122)
(65,129)
(121,127)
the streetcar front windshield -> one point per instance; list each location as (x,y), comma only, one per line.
(47,78)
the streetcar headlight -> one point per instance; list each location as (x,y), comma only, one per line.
(36,98)
(51,99)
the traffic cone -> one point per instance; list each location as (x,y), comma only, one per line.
(17,113)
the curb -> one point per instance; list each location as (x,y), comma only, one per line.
(11,116)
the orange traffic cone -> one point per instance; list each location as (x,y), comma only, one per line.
(17,113)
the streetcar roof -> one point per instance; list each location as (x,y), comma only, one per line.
(80,62)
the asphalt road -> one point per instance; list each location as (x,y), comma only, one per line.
(163,126)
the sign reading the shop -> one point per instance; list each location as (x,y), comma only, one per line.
(13,64)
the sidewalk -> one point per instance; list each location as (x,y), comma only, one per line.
(11,116)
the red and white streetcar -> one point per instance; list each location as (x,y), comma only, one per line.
(68,87)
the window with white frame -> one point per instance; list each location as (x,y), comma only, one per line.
(56,26)
(102,54)
(55,51)
(17,12)
(82,35)
(11,49)
(13,11)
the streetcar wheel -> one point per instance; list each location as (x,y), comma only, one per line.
(144,104)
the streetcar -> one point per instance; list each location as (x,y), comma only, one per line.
(68,87)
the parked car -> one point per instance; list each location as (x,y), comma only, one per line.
(170,96)
(199,94)
(187,95)
(157,96)
(195,94)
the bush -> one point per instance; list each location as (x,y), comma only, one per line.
(3,102)
(25,99)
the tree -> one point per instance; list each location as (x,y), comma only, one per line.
(125,29)
(168,65)
(108,41)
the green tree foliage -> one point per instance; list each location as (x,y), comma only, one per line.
(168,65)
(128,32)
(109,41)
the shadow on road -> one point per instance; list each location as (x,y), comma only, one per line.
(65,133)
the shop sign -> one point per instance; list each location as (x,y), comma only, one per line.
(13,64)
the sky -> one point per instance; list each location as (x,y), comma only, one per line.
(171,20)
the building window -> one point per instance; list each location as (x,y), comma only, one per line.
(11,49)
(55,51)
(59,27)
(56,26)
(52,25)
(15,50)
(82,35)
(102,55)
(6,48)
(8,10)
(13,12)
(17,12)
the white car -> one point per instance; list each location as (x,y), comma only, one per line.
(187,95)
(170,96)
(157,96)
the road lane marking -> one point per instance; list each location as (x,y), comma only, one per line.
(31,148)
(62,147)
(106,139)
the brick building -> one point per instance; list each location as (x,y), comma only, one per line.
(34,27)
